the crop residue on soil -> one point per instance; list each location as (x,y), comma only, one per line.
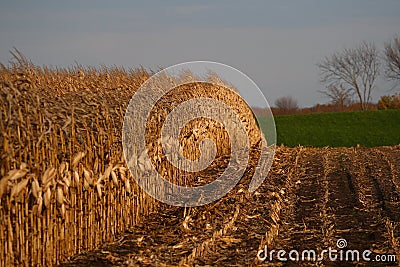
(311,198)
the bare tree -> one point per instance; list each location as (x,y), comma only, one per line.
(339,95)
(392,59)
(287,104)
(357,68)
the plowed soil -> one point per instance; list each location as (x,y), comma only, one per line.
(311,199)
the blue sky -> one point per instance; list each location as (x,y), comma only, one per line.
(276,43)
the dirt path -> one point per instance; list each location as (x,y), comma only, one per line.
(310,200)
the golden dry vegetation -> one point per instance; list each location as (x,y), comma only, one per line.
(65,187)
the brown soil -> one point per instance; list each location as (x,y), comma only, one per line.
(312,197)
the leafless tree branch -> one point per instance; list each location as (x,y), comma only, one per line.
(392,59)
(339,95)
(356,68)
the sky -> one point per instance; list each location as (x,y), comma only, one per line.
(275,43)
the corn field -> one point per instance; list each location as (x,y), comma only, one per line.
(65,187)
(67,197)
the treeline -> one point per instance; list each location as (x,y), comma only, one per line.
(320,108)
(385,102)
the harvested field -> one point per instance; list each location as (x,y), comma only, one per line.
(311,198)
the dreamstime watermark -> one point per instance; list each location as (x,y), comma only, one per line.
(146,119)
(340,253)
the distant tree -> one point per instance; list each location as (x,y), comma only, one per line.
(339,95)
(389,102)
(392,59)
(357,68)
(286,104)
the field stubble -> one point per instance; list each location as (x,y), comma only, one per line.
(311,198)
